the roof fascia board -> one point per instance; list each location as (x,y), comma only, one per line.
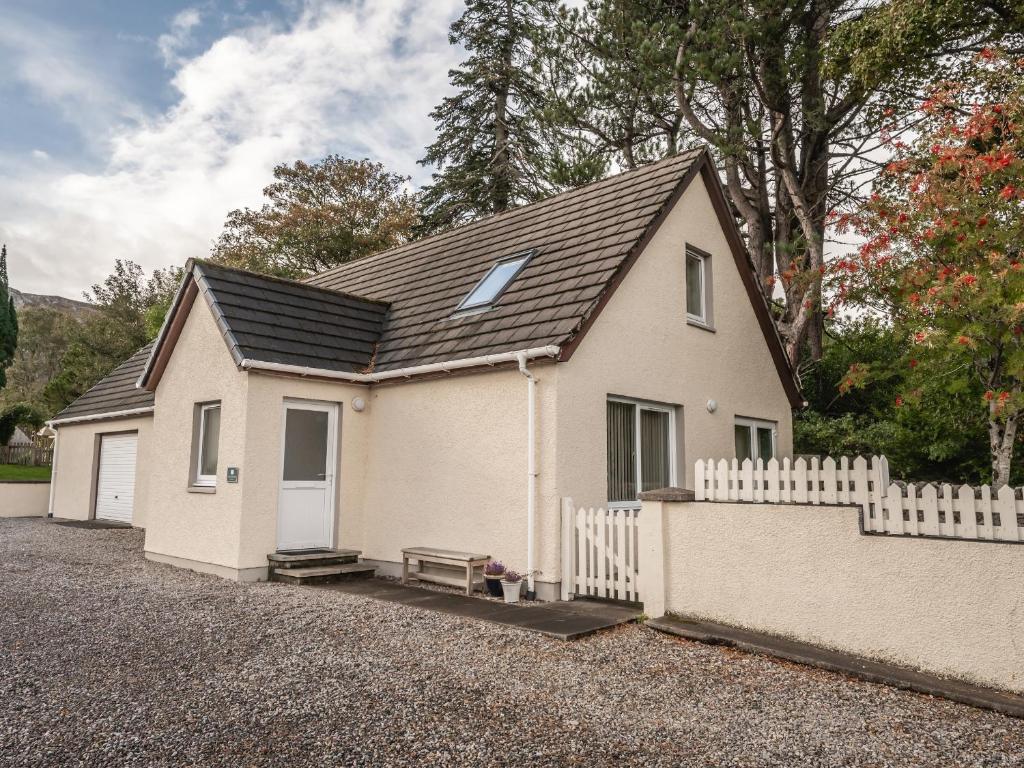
(170,329)
(101,416)
(612,285)
(195,283)
(748,276)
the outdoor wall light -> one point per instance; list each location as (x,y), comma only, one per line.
(358,404)
(712,406)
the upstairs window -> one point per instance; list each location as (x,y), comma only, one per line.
(494,283)
(698,287)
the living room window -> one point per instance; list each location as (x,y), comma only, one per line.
(641,449)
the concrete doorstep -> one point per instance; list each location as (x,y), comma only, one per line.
(562,620)
(833,661)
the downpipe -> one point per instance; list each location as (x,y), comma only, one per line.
(531,470)
(53,472)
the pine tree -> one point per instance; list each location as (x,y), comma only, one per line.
(491,150)
(8,320)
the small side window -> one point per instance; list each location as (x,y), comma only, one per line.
(698,287)
(206,444)
(755,439)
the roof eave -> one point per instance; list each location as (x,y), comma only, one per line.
(57,421)
(409,372)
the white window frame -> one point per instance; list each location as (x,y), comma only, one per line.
(645,405)
(204,481)
(753,424)
(477,306)
(703,259)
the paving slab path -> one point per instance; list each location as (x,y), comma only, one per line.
(563,620)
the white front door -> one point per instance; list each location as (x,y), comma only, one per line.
(115,478)
(305,511)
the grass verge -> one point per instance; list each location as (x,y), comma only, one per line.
(18,472)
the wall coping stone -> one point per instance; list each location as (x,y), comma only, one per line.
(668,494)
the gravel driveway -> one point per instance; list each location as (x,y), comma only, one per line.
(106,659)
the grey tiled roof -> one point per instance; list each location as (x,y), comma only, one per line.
(581,238)
(261,318)
(397,309)
(283,321)
(115,392)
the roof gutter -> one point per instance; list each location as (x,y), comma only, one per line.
(405,373)
(99,416)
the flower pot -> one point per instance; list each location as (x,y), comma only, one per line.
(493,585)
(511,590)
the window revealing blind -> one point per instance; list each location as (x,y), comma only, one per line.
(744,445)
(654,449)
(765,444)
(621,451)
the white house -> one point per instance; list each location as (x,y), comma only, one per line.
(448,392)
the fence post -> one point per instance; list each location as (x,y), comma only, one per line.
(1006,505)
(745,482)
(700,480)
(879,484)
(651,548)
(894,503)
(773,488)
(568,549)
(830,494)
(860,493)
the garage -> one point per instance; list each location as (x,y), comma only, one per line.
(115,477)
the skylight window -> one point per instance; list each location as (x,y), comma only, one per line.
(495,282)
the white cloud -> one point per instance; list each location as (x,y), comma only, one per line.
(357,78)
(171,43)
(57,68)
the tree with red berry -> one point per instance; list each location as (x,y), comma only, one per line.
(942,252)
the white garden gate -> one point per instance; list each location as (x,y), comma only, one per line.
(600,552)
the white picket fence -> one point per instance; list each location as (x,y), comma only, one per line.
(892,508)
(960,513)
(600,552)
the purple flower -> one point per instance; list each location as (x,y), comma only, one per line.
(494,568)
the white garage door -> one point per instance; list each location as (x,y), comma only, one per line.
(115,486)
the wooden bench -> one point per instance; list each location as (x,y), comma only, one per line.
(445,557)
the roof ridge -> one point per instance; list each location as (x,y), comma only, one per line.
(207,263)
(687,155)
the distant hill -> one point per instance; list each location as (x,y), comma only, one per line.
(78,309)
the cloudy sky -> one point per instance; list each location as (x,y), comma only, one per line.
(129,129)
